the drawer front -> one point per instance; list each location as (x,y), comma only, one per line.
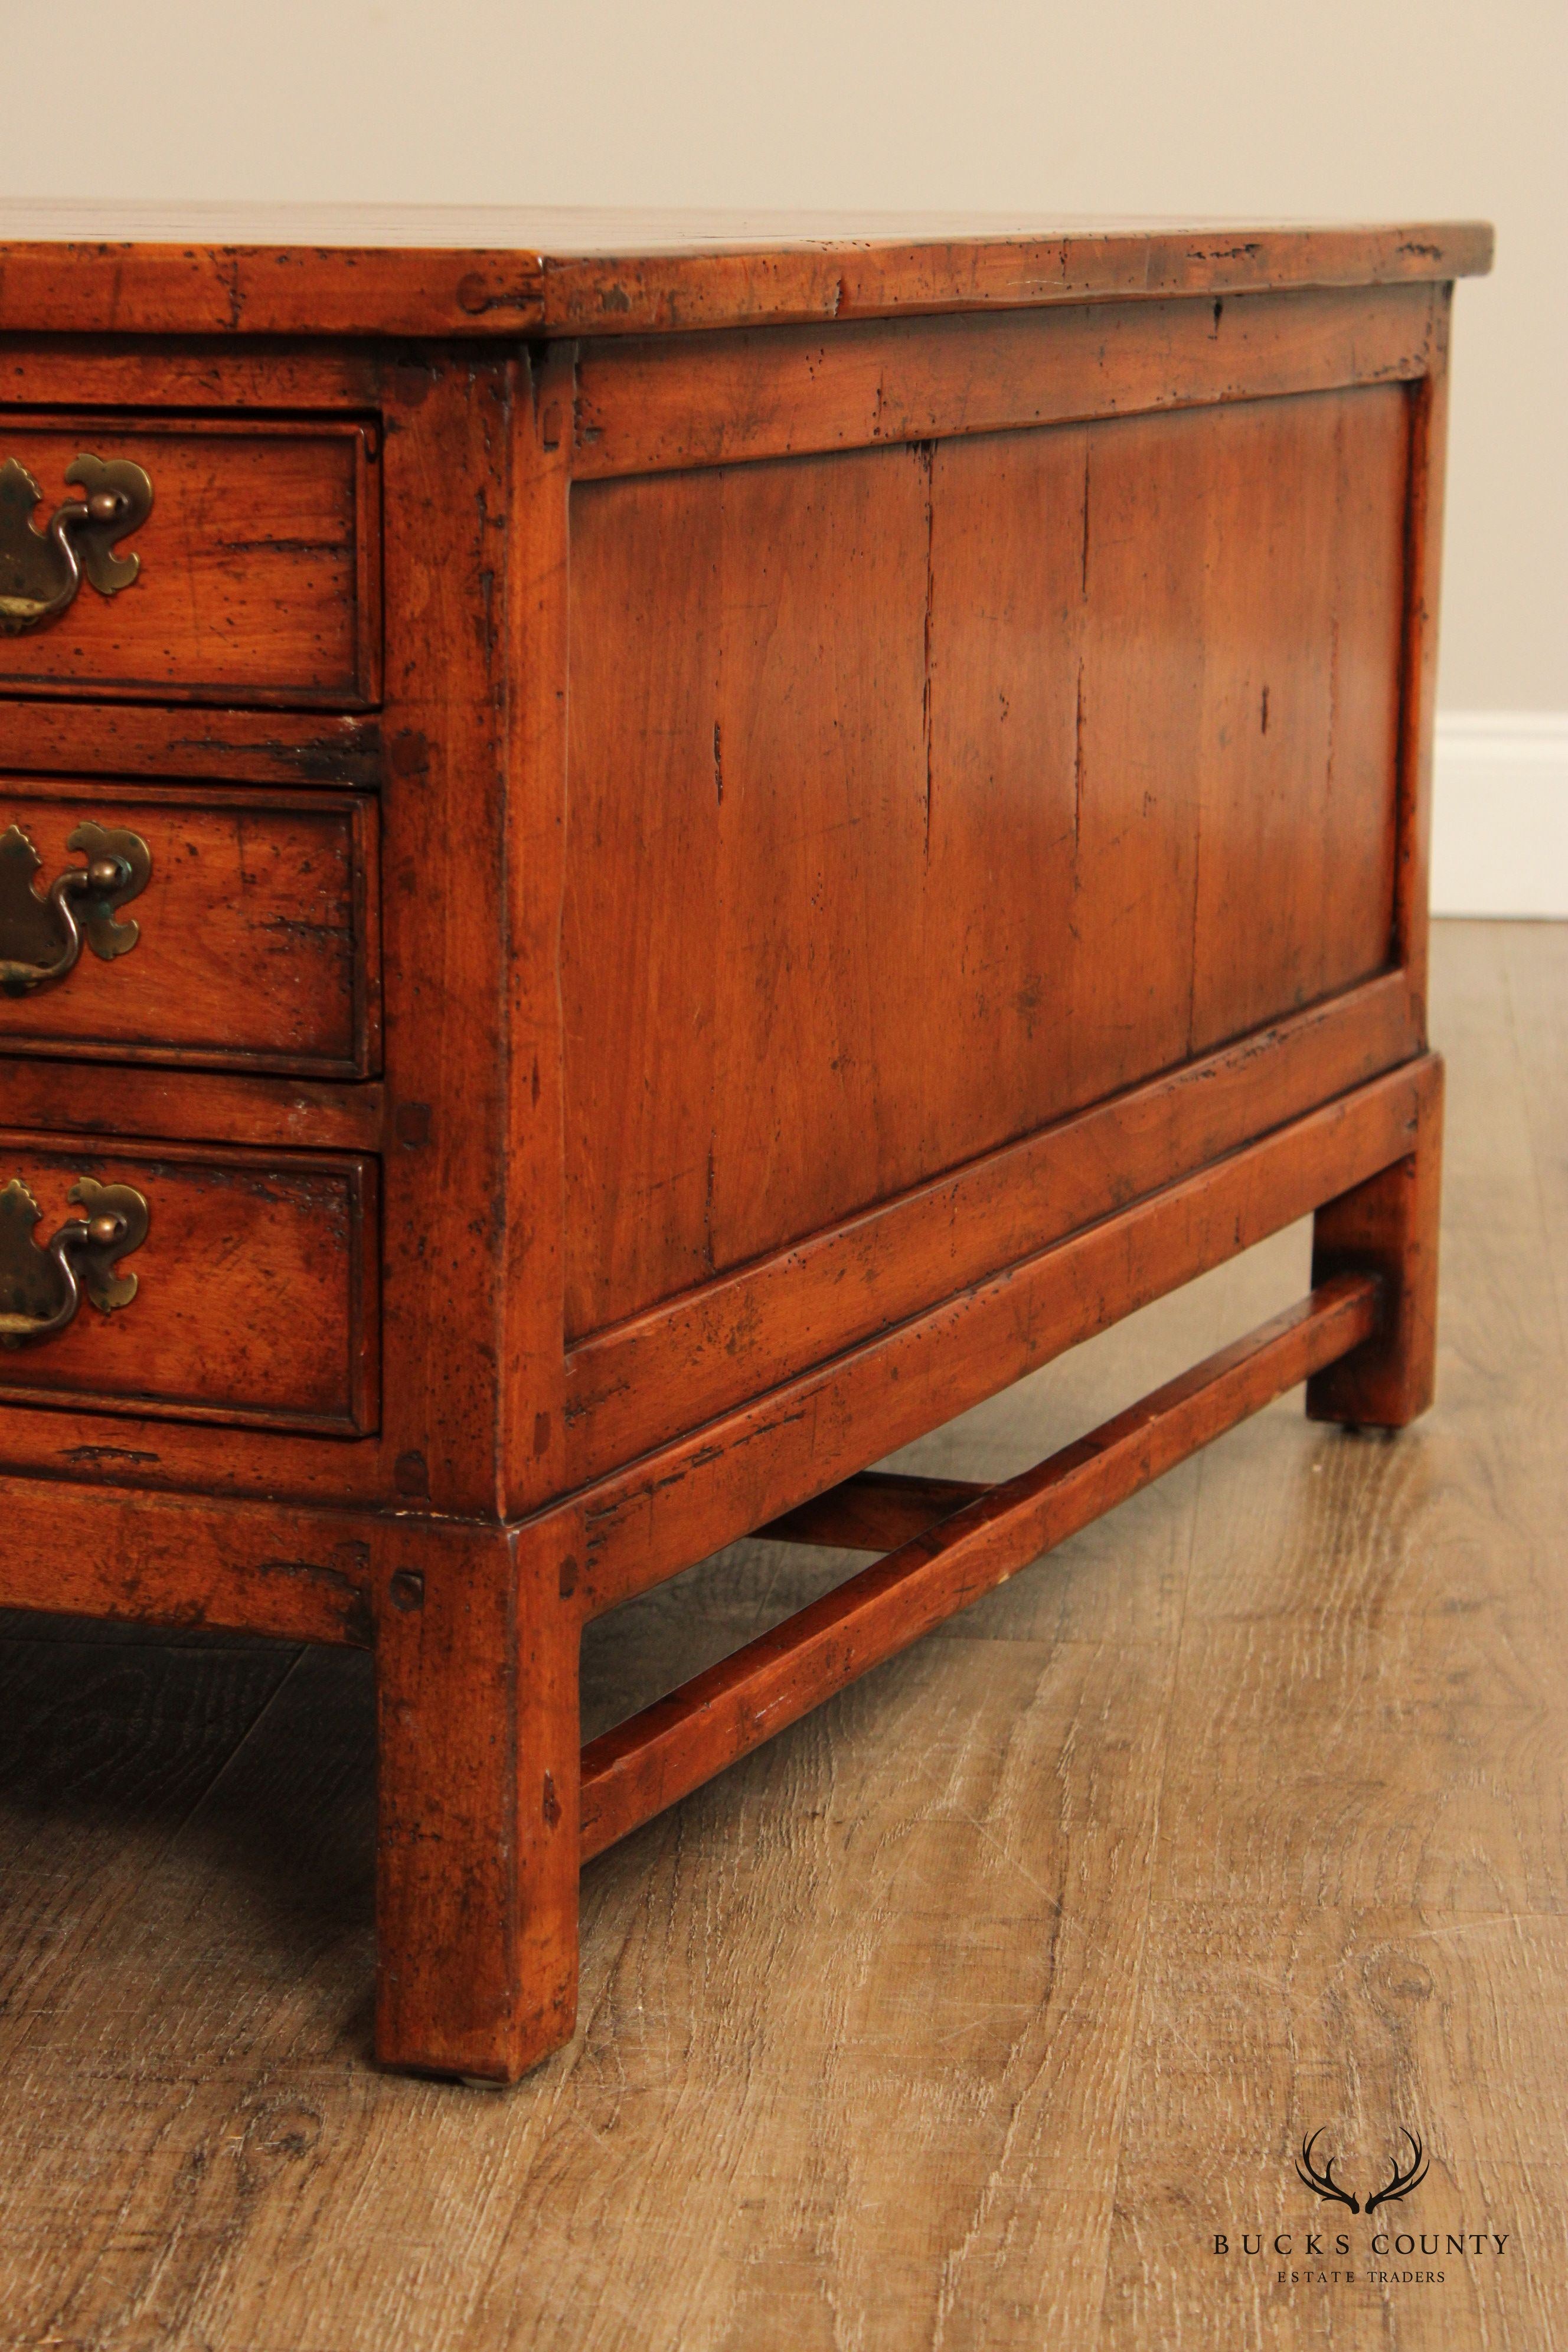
(257,578)
(255,942)
(254,1297)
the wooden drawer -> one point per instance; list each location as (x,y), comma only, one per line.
(258,579)
(256,1296)
(256,943)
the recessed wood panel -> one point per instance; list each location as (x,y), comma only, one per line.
(1296,835)
(259,564)
(257,947)
(920,795)
(255,1295)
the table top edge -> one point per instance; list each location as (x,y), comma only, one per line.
(386,272)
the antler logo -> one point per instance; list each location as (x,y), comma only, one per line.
(1323,2182)
(1400,2182)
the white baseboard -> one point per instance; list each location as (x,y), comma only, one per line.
(1499,813)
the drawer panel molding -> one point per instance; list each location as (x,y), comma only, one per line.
(255,936)
(255,576)
(254,1288)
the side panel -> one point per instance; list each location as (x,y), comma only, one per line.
(922,795)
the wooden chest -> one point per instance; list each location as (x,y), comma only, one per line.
(637,862)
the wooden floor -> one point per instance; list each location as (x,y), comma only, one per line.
(972,2010)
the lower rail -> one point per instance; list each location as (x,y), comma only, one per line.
(954,1543)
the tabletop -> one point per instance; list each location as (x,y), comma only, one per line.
(449,270)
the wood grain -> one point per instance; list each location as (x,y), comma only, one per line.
(1301,758)
(476,1842)
(276,1572)
(257,1297)
(1389,1227)
(645,405)
(766,846)
(443,882)
(438,1124)
(969,2009)
(259,944)
(957,788)
(874,1511)
(260,562)
(133,1099)
(626,1533)
(633,1386)
(1422,568)
(59,739)
(233,270)
(533,1440)
(659,1756)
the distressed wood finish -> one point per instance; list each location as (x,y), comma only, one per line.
(298,1576)
(718,897)
(969,2009)
(478,1845)
(648,406)
(631,1387)
(534,1464)
(259,944)
(260,563)
(843,683)
(1389,1222)
(135,1099)
(442,271)
(660,1756)
(256,1296)
(1424,545)
(246,747)
(627,1531)
(876,1510)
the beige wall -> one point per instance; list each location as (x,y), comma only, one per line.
(1351,109)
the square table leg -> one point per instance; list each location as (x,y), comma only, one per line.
(478,1856)
(1387,1227)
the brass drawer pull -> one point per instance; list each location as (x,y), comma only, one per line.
(40,571)
(40,938)
(41,1289)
